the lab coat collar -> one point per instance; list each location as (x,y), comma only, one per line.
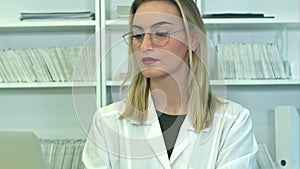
(182,140)
(155,136)
(152,116)
(156,140)
(157,145)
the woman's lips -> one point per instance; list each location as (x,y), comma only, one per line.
(149,60)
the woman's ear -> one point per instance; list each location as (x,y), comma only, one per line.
(195,41)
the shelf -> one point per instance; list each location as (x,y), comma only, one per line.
(115,83)
(46,23)
(47,85)
(255,82)
(232,82)
(117,22)
(247,21)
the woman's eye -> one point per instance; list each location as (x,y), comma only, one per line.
(161,33)
(137,36)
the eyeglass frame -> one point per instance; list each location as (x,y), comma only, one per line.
(151,36)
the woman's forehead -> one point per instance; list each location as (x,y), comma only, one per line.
(159,7)
(149,19)
(157,11)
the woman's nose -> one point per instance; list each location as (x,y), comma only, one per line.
(146,42)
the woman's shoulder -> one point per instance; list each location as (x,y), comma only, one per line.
(233,110)
(113,110)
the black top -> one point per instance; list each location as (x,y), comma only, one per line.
(170,125)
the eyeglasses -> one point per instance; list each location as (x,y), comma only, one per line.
(159,36)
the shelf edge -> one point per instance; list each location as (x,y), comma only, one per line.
(262,21)
(61,23)
(47,85)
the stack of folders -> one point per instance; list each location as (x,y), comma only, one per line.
(62,154)
(64,64)
(252,61)
(86,15)
(235,15)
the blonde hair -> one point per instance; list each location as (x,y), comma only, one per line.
(202,102)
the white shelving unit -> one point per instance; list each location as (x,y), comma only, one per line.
(259,96)
(47,108)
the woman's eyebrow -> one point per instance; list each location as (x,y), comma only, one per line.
(161,23)
(154,25)
(138,27)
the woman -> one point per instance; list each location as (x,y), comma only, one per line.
(171,118)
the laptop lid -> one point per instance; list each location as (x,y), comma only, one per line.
(20,150)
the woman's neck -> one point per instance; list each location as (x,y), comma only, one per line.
(169,95)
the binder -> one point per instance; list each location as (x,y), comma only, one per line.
(287,137)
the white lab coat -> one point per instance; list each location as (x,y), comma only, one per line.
(228,143)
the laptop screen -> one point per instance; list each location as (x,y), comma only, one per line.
(20,150)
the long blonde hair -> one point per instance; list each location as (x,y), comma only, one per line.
(202,102)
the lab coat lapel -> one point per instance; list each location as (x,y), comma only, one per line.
(155,137)
(182,140)
(156,141)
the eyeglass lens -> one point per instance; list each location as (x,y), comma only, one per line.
(159,36)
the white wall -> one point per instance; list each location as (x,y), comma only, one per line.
(49,113)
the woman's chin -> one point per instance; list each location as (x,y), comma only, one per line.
(152,73)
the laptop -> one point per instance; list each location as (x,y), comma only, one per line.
(20,150)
